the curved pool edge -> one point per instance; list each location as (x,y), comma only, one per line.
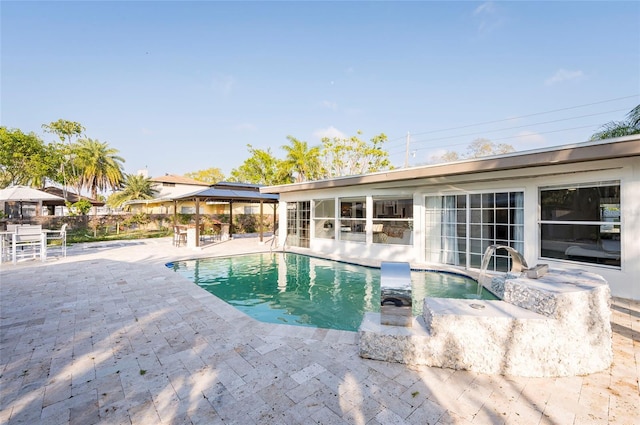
(454,285)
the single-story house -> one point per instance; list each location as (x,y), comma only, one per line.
(59,207)
(574,206)
(167,188)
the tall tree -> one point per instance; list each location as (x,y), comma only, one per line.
(353,156)
(135,186)
(261,168)
(99,167)
(210,175)
(620,128)
(476,149)
(485,147)
(302,160)
(25,159)
(66,131)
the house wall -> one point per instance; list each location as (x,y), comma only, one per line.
(175,190)
(622,280)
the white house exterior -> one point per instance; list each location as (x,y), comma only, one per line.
(572,207)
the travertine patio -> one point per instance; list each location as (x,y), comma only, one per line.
(109,335)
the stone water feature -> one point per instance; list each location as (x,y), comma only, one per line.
(554,323)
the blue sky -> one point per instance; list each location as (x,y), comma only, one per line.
(183,86)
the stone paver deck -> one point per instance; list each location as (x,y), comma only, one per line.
(109,335)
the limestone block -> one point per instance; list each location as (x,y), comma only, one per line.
(558,325)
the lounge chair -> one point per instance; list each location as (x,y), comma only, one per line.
(28,240)
(179,235)
(224,232)
(57,239)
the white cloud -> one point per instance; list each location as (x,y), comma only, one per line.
(223,83)
(487,7)
(330,105)
(488,16)
(526,140)
(329,132)
(434,156)
(563,75)
(146,132)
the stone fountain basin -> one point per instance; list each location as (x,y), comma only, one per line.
(558,325)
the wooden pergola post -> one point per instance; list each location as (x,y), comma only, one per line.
(175,213)
(261,220)
(197,221)
(226,196)
(230,219)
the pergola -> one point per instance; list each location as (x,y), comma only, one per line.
(228,193)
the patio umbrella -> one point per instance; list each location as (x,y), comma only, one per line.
(26,194)
(22,194)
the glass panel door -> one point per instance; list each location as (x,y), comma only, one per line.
(298,223)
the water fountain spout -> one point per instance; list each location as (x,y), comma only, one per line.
(518,263)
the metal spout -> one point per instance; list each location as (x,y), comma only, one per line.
(519,264)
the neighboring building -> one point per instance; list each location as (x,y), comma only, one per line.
(59,207)
(172,189)
(171,186)
(574,206)
(167,188)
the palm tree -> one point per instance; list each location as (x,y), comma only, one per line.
(620,128)
(135,186)
(98,166)
(302,160)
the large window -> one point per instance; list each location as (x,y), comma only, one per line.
(393,221)
(460,227)
(190,210)
(352,219)
(324,218)
(581,223)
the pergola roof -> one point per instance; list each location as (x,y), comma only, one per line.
(231,192)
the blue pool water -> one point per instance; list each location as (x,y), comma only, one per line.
(307,291)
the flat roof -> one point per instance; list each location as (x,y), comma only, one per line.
(620,147)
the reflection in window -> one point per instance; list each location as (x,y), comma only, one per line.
(460,227)
(352,219)
(324,218)
(581,223)
(393,221)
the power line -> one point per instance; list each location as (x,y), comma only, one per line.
(526,116)
(513,137)
(397,139)
(517,126)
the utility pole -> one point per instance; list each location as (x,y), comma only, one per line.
(406,154)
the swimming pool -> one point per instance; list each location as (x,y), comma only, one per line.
(308,291)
